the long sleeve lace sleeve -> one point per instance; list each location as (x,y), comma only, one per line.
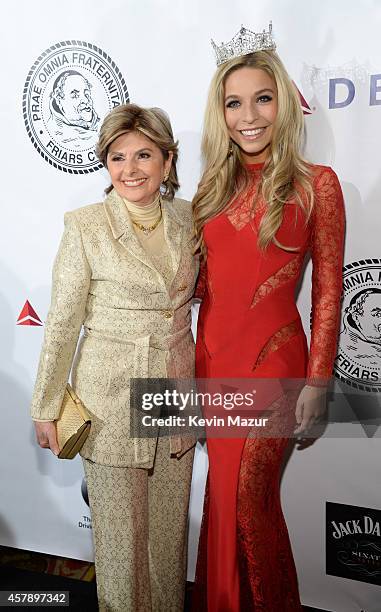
(70,286)
(327,242)
(201,282)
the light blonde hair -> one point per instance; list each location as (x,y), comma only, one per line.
(152,123)
(285,175)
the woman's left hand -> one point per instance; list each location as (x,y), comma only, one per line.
(310,407)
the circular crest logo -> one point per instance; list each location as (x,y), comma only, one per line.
(69,90)
(358,362)
(84,492)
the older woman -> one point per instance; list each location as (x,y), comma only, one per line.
(125,272)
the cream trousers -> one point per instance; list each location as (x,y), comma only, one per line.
(139,520)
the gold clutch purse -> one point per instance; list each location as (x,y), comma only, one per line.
(73,425)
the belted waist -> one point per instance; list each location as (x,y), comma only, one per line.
(141,369)
(142,343)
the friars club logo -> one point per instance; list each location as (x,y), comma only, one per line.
(68,91)
(358,362)
(353,542)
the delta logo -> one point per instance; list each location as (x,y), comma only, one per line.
(342,91)
(28,316)
(307,110)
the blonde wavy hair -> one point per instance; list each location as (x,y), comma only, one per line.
(152,123)
(286,174)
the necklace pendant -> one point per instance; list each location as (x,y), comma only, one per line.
(147,230)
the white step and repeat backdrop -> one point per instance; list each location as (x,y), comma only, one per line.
(157,52)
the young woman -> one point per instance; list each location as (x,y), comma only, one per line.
(259,209)
(125,271)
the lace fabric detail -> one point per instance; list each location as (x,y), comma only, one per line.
(244,206)
(287,273)
(280,337)
(327,224)
(268,581)
(267,575)
(201,282)
(327,241)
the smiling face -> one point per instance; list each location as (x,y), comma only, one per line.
(251,108)
(137,167)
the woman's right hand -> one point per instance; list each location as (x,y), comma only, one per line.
(47,435)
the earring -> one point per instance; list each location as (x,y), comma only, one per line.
(230,150)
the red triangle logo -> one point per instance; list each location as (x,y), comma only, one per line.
(28,316)
(29,322)
(303,103)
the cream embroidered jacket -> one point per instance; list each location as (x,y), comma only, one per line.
(133,324)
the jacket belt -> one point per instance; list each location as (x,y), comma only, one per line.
(141,369)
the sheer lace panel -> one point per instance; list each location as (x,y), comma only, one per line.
(280,337)
(268,580)
(203,283)
(288,272)
(199,292)
(327,238)
(242,207)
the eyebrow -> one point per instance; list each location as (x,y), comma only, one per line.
(139,151)
(257,93)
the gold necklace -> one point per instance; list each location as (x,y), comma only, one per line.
(147,230)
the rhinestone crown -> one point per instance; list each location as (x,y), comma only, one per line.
(244,42)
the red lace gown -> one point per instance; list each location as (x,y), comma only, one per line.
(249,326)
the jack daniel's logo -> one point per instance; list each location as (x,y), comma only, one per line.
(353,542)
(366,525)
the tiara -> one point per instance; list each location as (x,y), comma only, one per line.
(244,42)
